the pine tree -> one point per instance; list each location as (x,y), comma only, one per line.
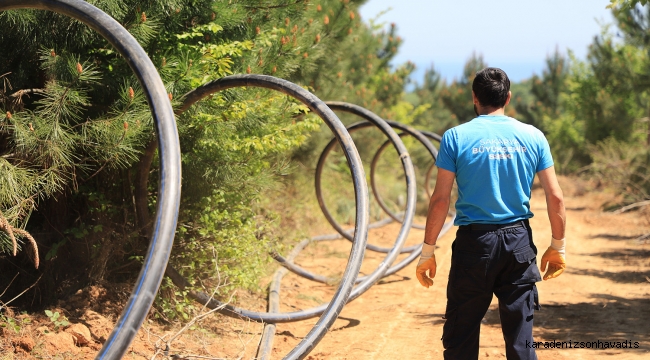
(77,138)
(545,92)
(634,24)
(436,118)
(457,96)
(75,122)
(604,94)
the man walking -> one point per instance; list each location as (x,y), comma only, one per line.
(494,159)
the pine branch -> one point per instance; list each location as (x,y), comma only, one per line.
(10,230)
(17,97)
(7,228)
(20,93)
(107,161)
(273,6)
(32,242)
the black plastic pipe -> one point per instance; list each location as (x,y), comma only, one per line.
(360,289)
(415,250)
(307,343)
(155,261)
(390,257)
(330,312)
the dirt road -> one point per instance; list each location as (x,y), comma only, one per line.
(603,295)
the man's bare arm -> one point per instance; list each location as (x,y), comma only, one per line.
(438,208)
(439,205)
(554,201)
(554,257)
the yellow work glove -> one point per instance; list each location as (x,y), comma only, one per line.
(427,262)
(555,258)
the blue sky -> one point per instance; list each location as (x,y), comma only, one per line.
(515,35)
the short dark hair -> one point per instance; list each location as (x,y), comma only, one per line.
(491,86)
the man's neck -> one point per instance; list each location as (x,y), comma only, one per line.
(493,111)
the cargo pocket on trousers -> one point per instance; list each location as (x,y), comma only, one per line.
(470,271)
(525,257)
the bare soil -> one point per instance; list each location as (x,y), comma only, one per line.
(603,295)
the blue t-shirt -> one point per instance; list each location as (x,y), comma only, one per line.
(495,159)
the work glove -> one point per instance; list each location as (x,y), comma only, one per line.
(427,262)
(555,259)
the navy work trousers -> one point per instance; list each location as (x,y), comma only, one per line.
(486,260)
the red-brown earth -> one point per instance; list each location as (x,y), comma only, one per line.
(603,295)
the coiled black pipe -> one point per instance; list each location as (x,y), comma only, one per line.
(330,311)
(302,350)
(155,261)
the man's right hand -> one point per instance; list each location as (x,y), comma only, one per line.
(555,261)
(427,263)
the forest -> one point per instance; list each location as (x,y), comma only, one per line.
(79,162)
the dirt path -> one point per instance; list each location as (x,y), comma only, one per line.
(604,294)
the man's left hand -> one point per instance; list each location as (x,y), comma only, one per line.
(555,262)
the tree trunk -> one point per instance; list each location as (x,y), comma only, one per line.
(141,189)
